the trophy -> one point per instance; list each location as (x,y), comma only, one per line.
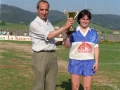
(71,15)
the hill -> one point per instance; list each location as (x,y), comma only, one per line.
(14,14)
(92,25)
(107,21)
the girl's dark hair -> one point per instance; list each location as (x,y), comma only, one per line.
(82,14)
(44,1)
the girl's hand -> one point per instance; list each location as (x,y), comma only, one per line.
(95,66)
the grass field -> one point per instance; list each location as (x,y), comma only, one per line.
(13,26)
(16,72)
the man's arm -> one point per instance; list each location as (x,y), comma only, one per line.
(55,33)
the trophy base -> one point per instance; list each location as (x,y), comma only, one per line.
(70,32)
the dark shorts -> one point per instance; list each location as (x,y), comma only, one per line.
(81,67)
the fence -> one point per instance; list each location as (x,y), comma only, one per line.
(109,37)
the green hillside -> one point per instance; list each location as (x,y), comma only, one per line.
(103,30)
(13,26)
(95,26)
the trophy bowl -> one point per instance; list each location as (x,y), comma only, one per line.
(71,15)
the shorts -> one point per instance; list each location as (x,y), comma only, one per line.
(81,67)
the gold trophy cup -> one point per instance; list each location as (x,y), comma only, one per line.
(71,15)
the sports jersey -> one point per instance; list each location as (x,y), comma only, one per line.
(83,44)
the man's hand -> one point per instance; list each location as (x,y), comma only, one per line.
(69,23)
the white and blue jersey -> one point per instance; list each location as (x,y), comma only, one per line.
(81,56)
(83,44)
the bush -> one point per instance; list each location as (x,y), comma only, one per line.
(2,23)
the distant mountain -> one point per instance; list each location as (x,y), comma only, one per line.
(55,15)
(16,15)
(107,20)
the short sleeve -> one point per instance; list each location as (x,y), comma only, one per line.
(37,31)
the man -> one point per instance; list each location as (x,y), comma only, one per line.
(43,44)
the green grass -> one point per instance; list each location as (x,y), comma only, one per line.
(13,26)
(16,72)
(62,53)
(109,65)
(17,42)
(14,79)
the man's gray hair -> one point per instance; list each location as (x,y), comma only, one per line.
(44,1)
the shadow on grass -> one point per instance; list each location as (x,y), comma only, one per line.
(66,85)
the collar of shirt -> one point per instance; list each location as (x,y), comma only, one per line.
(84,34)
(42,21)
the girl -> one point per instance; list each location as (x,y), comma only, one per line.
(84,52)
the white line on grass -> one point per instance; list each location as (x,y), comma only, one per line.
(109,63)
(113,86)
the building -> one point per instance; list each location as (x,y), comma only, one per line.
(115,32)
(56,27)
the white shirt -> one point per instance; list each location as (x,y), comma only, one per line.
(39,30)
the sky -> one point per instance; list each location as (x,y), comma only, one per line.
(95,6)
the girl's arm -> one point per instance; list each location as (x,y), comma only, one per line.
(96,51)
(67,42)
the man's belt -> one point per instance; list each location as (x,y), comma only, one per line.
(45,51)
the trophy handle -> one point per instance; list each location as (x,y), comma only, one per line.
(66,14)
(76,13)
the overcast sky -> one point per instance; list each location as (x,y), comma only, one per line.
(95,6)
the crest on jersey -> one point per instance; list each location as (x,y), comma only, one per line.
(85,48)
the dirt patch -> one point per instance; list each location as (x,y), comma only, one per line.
(12,66)
(100,79)
(2,51)
(62,66)
(20,47)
